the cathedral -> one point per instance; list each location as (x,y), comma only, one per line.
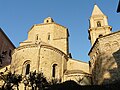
(46,50)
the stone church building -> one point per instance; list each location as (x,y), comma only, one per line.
(46,50)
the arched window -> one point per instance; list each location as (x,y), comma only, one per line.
(98,24)
(54,70)
(37,37)
(27,69)
(48,36)
(89,64)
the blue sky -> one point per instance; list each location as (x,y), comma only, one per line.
(18,16)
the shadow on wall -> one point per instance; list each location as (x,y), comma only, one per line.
(107,68)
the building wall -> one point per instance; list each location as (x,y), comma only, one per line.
(24,55)
(41,58)
(105,64)
(78,71)
(80,78)
(49,32)
(51,57)
(73,64)
(6,47)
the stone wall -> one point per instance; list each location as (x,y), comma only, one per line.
(73,64)
(51,33)
(41,58)
(105,59)
(77,71)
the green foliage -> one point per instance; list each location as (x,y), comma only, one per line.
(33,80)
(36,81)
(10,80)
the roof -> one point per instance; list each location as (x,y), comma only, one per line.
(7,37)
(51,21)
(78,60)
(97,11)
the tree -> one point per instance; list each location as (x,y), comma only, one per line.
(10,80)
(36,81)
(55,81)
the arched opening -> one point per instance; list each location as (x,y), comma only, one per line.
(98,24)
(47,21)
(48,36)
(27,69)
(54,70)
(89,64)
(37,37)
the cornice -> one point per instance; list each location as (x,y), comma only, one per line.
(38,46)
(98,28)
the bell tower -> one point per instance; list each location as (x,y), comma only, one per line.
(98,25)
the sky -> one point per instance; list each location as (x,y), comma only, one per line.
(18,16)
